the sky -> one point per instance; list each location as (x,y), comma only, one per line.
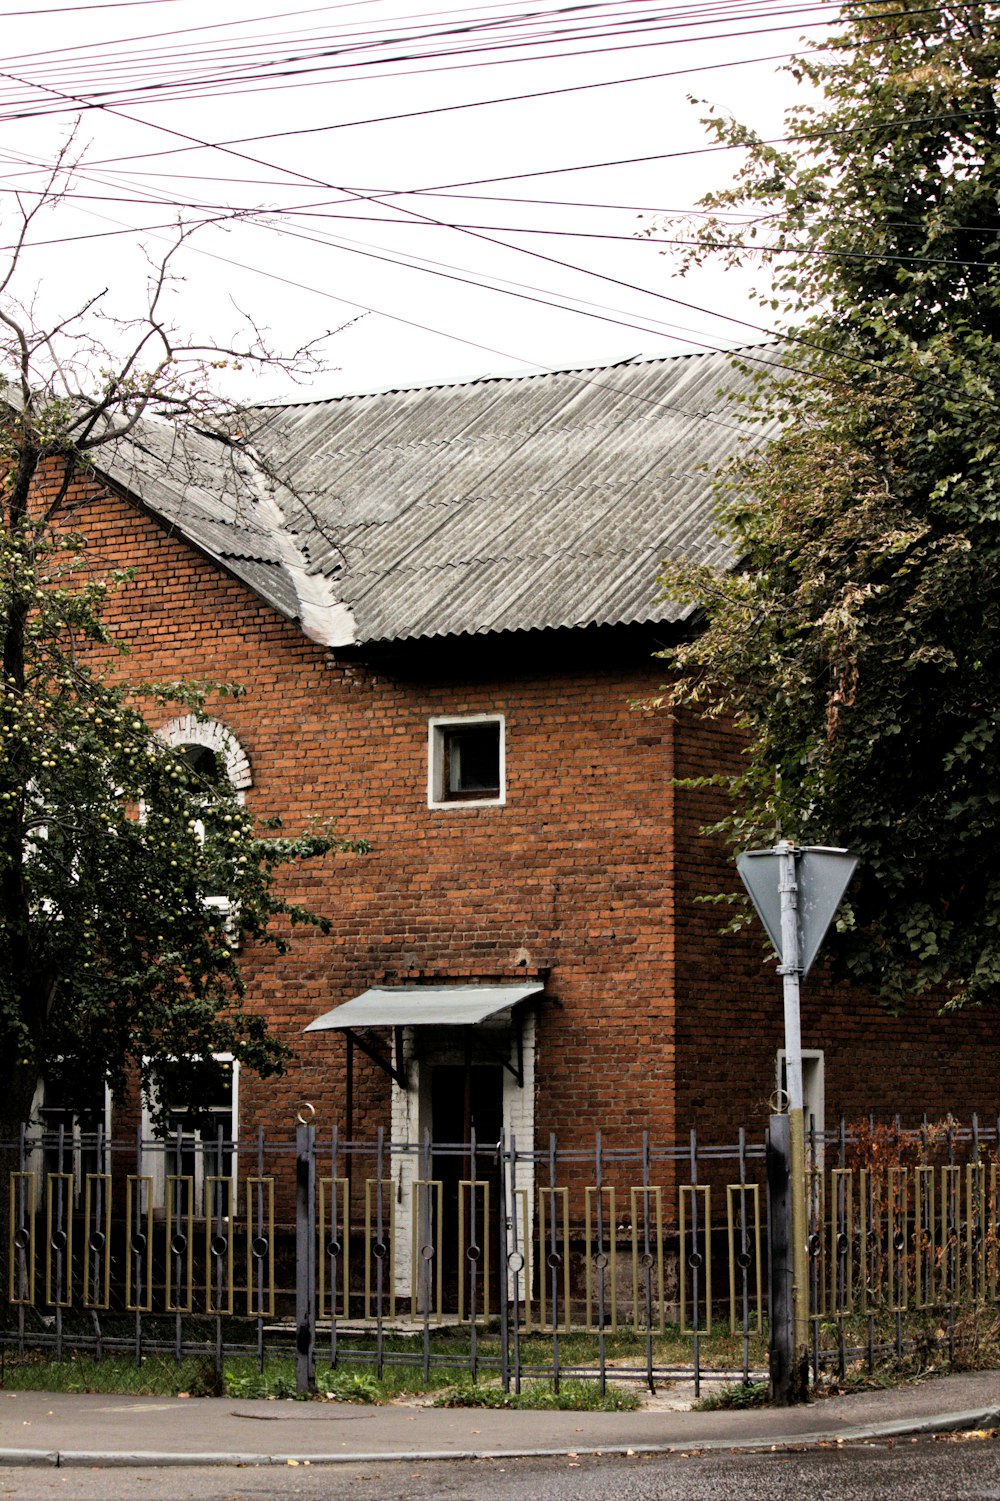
(370,179)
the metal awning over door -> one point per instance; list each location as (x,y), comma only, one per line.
(402,1006)
(423,1006)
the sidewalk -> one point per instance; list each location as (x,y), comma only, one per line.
(39,1428)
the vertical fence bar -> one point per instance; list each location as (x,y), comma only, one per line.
(179,1239)
(814,1243)
(21,1249)
(471,1253)
(97,1235)
(601,1264)
(647,1258)
(950,1208)
(383,1252)
(179,1243)
(260,1247)
(59,1241)
(842,1245)
(925,1224)
(870,1230)
(554,1262)
(517,1264)
(305,1251)
(991,1217)
(502,1265)
(743,1255)
(841,1255)
(898,1288)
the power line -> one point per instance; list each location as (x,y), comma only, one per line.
(740,13)
(59,10)
(94,100)
(441,269)
(564,265)
(325,293)
(312,211)
(413,214)
(444,109)
(694,15)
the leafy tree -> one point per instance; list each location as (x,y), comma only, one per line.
(111,958)
(856,640)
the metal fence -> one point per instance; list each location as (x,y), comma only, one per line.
(614,1261)
(904,1239)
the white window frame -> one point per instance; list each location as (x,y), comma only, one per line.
(188,729)
(75,1142)
(155,1156)
(437,728)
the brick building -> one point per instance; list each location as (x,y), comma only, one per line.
(442,604)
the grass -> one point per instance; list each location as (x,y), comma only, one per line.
(976,1338)
(572,1396)
(160,1376)
(354,1378)
(157,1376)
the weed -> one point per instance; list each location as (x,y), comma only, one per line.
(735,1394)
(350,1386)
(572,1396)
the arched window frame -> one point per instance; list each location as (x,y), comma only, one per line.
(189,729)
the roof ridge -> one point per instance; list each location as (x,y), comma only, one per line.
(522,373)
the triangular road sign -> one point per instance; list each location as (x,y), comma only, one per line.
(822,876)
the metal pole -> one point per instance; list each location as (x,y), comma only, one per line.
(305,1260)
(790,969)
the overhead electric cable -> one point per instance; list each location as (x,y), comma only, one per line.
(415,214)
(59,10)
(217,211)
(95,99)
(445,109)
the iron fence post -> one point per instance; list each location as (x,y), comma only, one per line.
(305,1260)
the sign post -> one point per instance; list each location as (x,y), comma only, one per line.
(796,892)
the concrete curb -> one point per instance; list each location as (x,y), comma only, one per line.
(979,1418)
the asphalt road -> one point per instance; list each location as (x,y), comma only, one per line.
(955,1468)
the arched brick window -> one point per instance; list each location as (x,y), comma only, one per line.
(187,730)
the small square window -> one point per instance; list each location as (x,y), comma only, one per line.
(466,761)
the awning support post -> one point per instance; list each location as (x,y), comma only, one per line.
(350,1085)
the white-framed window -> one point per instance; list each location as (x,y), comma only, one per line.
(196,1141)
(211,753)
(813,1096)
(71,1138)
(466,761)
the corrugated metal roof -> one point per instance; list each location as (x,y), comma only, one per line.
(508,503)
(423,1006)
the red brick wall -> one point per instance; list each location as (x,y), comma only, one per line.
(654,1021)
(572,875)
